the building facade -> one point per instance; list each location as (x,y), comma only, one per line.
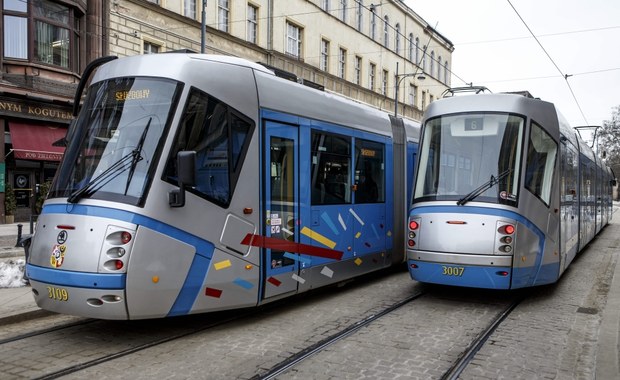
(45,46)
(356,48)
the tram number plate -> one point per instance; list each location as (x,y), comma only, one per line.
(57,294)
(452,271)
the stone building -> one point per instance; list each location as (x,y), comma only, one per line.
(351,47)
(357,48)
(45,46)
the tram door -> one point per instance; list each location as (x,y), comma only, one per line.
(281,212)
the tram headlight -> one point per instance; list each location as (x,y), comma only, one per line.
(505,248)
(506,239)
(116,252)
(413,225)
(411,234)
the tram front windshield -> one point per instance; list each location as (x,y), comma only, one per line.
(470,157)
(116,140)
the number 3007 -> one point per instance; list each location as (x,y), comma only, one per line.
(452,271)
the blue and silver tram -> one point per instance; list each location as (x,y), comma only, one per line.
(193,183)
(506,194)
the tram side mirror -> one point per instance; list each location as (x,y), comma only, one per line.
(186,176)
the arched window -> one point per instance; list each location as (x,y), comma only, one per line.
(417,51)
(439,68)
(359,15)
(424,59)
(397,39)
(373,22)
(411,47)
(343,10)
(386,31)
(432,63)
(446,73)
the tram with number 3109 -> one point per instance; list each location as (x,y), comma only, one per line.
(194,183)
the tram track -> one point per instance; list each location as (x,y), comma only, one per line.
(453,372)
(48,330)
(468,355)
(321,345)
(75,332)
(103,359)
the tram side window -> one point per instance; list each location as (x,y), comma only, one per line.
(541,155)
(331,169)
(220,138)
(369,172)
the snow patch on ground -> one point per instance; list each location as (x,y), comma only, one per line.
(12,273)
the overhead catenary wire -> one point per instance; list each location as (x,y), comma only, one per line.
(564,75)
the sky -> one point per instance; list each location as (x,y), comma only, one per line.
(494,48)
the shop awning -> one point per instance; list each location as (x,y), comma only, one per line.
(34,142)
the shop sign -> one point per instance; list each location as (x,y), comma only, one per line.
(34,110)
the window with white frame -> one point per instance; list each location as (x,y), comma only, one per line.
(372,72)
(325,5)
(358,70)
(293,40)
(433,64)
(423,100)
(417,51)
(386,31)
(411,47)
(397,39)
(439,68)
(150,48)
(359,15)
(446,73)
(373,22)
(342,63)
(343,10)
(424,59)
(324,64)
(223,13)
(252,23)
(384,83)
(189,9)
(413,94)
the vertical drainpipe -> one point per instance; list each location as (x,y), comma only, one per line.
(269,30)
(203,27)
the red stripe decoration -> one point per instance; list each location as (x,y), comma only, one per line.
(285,245)
(211,292)
(274,281)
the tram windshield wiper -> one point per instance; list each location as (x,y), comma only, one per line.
(128,161)
(137,157)
(484,187)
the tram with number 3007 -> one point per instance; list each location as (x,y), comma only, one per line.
(194,183)
(506,193)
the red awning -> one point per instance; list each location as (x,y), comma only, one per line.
(34,142)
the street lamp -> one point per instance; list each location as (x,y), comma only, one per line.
(399,78)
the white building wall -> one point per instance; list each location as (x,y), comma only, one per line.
(134,22)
